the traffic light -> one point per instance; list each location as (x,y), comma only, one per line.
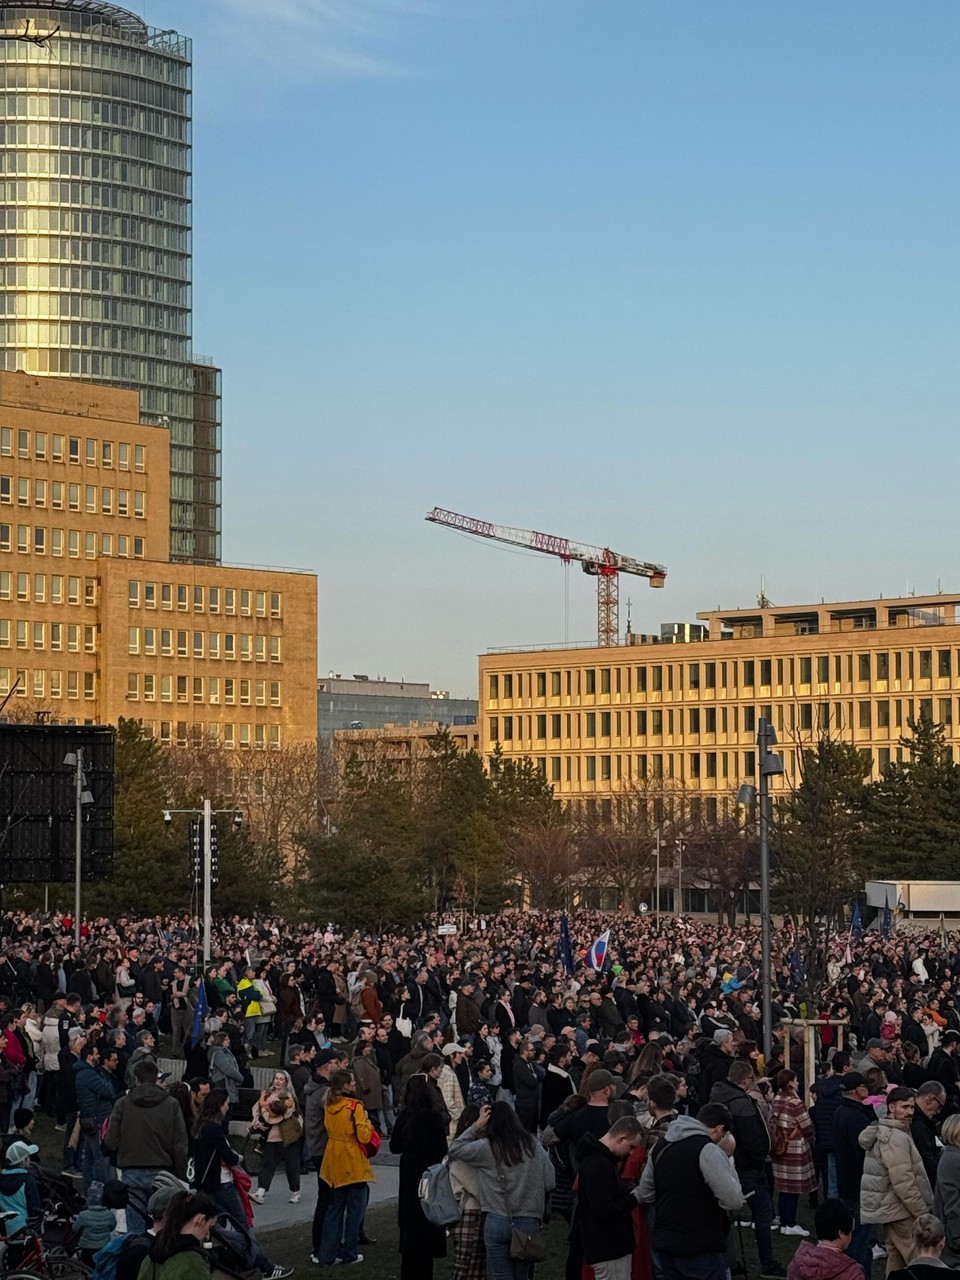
(214,861)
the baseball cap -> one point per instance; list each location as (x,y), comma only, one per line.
(852,1080)
(159,1202)
(76,1033)
(875,1044)
(600,1080)
(450,1049)
(17,1152)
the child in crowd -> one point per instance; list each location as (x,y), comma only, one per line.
(95,1222)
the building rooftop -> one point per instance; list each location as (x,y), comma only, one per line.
(123,19)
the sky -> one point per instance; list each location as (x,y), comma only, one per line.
(678,277)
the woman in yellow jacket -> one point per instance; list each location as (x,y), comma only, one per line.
(346,1170)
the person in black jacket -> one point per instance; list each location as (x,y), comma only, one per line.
(212,1156)
(714,1058)
(943,1067)
(849,1120)
(605,1202)
(931,1097)
(420,1139)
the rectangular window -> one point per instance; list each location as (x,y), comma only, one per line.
(864,719)
(693,675)
(229,646)
(245,603)
(138,499)
(863,666)
(230,606)
(541,726)
(166,642)
(166,688)
(6,490)
(39,493)
(23,444)
(181,644)
(133,594)
(73,497)
(133,685)
(181,596)
(90,498)
(749,719)
(56,495)
(946,711)
(213,599)
(604,679)
(138,457)
(150,641)
(123,502)
(90,546)
(198,599)
(657,679)
(57,448)
(883,666)
(166,595)
(274,604)
(883,714)
(213,690)
(149,687)
(695,764)
(555,726)
(806,670)
(591,768)
(40,540)
(806,715)
(591,729)
(642,724)
(748,673)
(507,724)
(274,693)
(106,453)
(711,764)
(6,585)
(604,768)
(541,684)
(694,719)
(91,453)
(591,680)
(106,501)
(74,448)
(711,719)
(604,724)
(23,491)
(657,721)
(123,457)
(198,644)
(23,537)
(926,664)
(943,664)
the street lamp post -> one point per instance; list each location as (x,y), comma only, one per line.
(769,765)
(658,881)
(206,815)
(679,844)
(74,760)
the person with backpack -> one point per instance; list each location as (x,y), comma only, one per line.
(177,1251)
(346,1169)
(420,1140)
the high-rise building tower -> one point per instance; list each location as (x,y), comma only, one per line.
(95,217)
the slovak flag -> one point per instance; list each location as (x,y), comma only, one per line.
(597,955)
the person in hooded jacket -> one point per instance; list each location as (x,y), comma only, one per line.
(606,1204)
(146,1133)
(714,1059)
(19,1193)
(895,1189)
(346,1169)
(827,1258)
(177,1251)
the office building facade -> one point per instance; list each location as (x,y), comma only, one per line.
(95,250)
(97,621)
(361,703)
(603,721)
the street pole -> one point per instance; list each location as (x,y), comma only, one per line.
(763,736)
(78,844)
(658,880)
(207,876)
(679,875)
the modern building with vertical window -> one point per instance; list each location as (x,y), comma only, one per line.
(684,705)
(95,230)
(97,621)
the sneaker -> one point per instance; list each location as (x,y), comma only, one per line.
(773,1272)
(258,1196)
(278,1273)
(774,1223)
(295,1197)
(314,1259)
(795,1230)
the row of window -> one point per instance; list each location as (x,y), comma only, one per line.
(181,733)
(39,540)
(806,716)
(203,644)
(211,690)
(95,499)
(42,445)
(681,766)
(116,366)
(229,600)
(94,137)
(41,589)
(746,673)
(56,636)
(48,684)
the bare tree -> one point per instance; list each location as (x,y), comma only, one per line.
(724,858)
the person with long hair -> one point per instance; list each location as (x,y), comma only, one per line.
(793,1170)
(346,1169)
(420,1139)
(469,1254)
(177,1252)
(278,1111)
(214,1163)
(514,1176)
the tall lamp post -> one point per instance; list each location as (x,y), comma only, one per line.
(74,760)
(206,815)
(657,890)
(769,765)
(679,843)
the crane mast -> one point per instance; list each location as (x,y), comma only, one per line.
(600,562)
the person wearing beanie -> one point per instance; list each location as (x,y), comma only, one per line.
(95,1222)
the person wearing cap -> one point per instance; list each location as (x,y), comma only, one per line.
(895,1189)
(878,1053)
(944,1067)
(449,1085)
(19,1193)
(315,1096)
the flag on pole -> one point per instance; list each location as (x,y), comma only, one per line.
(199,1014)
(886,921)
(943,933)
(564,949)
(856,927)
(597,955)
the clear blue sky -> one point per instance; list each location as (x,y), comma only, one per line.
(681,278)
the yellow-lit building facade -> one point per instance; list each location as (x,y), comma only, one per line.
(401,746)
(96,622)
(600,721)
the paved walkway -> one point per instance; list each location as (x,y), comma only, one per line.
(276,1212)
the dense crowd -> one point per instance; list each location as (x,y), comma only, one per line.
(632,1100)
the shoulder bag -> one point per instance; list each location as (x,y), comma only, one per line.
(525,1246)
(370,1148)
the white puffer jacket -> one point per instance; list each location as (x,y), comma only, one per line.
(50,1040)
(895,1183)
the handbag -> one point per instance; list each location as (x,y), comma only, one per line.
(525,1246)
(370,1148)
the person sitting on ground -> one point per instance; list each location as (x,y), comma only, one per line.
(827,1259)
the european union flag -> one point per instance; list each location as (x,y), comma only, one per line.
(564,949)
(200,1011)
(856,927)
(886,921)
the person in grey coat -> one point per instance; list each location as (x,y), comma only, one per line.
(946,1200)
(223,1072)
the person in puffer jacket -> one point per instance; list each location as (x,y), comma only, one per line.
(827,1259)
(895,1189)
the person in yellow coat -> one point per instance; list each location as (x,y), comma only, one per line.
(346,1169)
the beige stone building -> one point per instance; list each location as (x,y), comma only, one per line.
(96,622)
(400,745)
(684,706)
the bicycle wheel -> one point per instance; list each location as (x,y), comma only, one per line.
(60,1265)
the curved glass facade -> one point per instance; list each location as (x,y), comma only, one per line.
(95,250)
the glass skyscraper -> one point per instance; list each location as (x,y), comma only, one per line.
(95,229)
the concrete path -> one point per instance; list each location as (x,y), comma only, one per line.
(277,1213)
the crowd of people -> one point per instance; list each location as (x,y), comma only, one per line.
(632,1101)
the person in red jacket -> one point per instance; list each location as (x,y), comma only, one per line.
(827,1259)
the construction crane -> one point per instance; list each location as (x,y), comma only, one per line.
(600,562)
